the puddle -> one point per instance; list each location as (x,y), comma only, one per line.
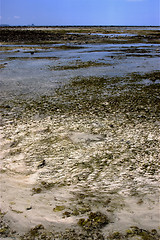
(112,35)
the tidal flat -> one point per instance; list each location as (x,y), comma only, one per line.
(79,133)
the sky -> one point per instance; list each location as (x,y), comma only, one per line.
(80,12)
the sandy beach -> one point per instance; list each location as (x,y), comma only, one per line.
(79,133)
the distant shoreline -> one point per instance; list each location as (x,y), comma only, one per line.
(64,34)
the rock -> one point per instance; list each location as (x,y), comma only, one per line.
(42,164)
(36,190)
(150,137)
(66,214)
(29,208)
(7,106)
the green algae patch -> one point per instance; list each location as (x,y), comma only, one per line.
(3,230)
(68,47)
(135,233)
(47,185)
(59,208)
(96,95)
(116,235)
(95,220)
(153,76)
(143,234)
(16,211)
(2,66)
(79,64)
(38,232)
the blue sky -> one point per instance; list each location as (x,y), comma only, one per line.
(80,12)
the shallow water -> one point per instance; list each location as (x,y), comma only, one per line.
(25,73)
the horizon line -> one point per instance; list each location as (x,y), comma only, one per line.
(33,25)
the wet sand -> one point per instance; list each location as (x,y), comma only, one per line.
(79,133)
